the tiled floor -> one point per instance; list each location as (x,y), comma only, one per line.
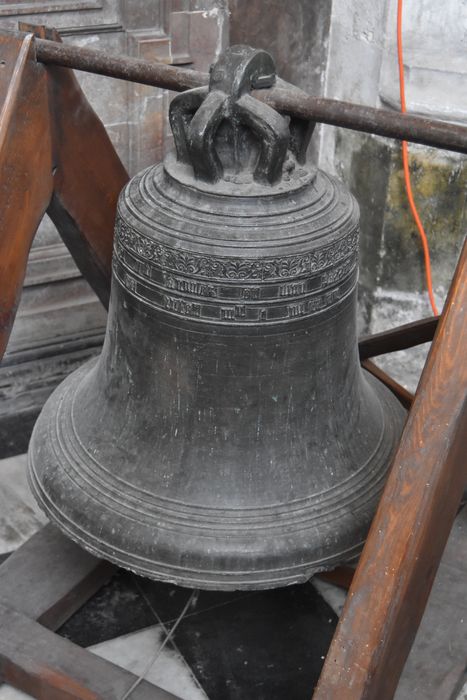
(19,515)
(134,652)
(236,646)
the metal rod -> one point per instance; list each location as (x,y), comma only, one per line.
(430,132)
(134,69)
(382,122)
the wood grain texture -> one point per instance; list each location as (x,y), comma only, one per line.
(409,532)
(405,397)
(341,576)
(88,175)
(400,338)
(48,667)
(25,167)
(436,665)
(49,577)
(55,156)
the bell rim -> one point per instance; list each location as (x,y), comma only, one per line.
(206,580)
(203,578)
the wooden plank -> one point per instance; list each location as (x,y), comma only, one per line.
(50,577)
(46,666)
(436,665)
(400,338)
(340,576)
(405,397)
(55,155)
(411,527)
(88,175)
(25,167)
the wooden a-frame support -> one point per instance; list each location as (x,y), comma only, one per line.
(56,157)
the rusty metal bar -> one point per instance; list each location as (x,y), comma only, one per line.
(439,134)
(382,122)
(136,70)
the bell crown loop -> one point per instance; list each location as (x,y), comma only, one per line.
(197,117)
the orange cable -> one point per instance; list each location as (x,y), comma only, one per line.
(405,163)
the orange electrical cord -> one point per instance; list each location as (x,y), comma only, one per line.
(405,163)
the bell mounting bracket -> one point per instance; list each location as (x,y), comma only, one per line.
(196,115)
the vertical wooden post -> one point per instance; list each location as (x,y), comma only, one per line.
(409,532)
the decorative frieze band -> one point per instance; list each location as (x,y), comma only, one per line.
(207,266)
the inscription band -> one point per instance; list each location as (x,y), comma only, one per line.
(249,313)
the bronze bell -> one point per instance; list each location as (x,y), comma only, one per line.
(227,436)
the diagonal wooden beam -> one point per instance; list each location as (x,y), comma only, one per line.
(405,397)
(25,167)
(411,527)
(49,577)
(55,156)
(47,580)
(400,338)
(49,667)
(88,175)
(435,669)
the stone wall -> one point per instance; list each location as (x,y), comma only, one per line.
(357,62)
(393,287)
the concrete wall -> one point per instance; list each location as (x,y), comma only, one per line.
(345,49)
(362,67)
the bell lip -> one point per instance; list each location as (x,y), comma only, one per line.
(202,579)
(189,576)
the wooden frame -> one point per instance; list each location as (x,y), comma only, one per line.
(59,159)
